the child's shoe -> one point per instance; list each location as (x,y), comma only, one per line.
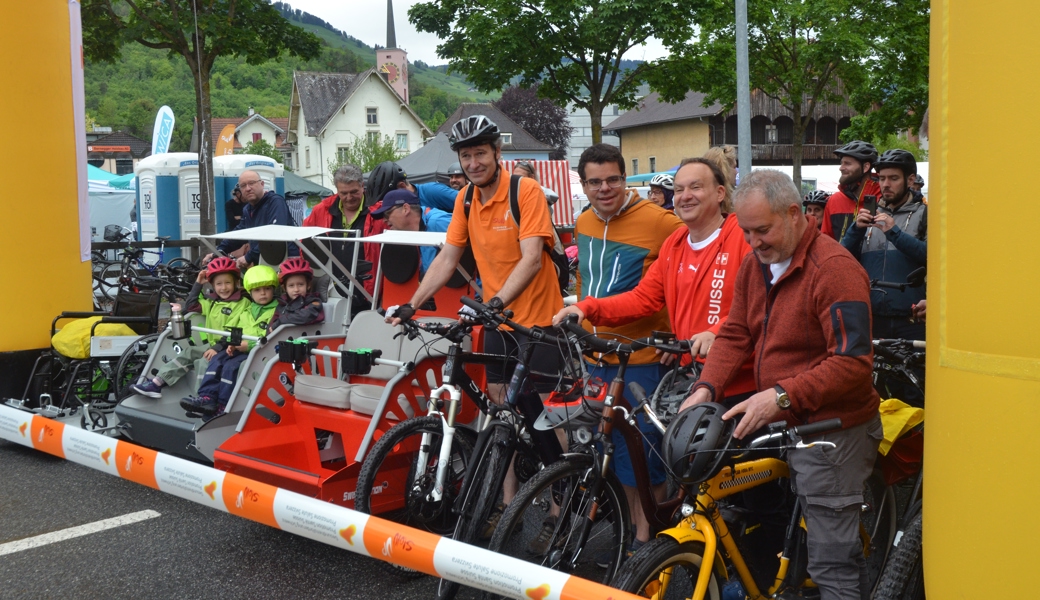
(200,405)
(147,388)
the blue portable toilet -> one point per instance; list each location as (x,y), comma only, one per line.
(226,170)
(168,197)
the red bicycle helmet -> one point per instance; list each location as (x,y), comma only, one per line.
(222,264)
(582,405)
(295,266)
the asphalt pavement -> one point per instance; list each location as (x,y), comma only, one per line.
(189,551)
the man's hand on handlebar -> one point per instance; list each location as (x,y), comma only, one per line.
(758,410)
(569,310)
(395,314)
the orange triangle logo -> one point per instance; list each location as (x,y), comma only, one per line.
(348,533)
(22,428)
(106,454)
(538,593)
(210,488)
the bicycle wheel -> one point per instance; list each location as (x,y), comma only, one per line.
(547,521)
(391,487)
(106,282)
(878,522)
(903,578)
(131,364)
(481,489)
(665,569)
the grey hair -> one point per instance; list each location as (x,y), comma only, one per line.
(776,186)
(348,174)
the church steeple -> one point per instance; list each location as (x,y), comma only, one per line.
(391,36)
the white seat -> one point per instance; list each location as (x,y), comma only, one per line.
(324,391)
(364,398)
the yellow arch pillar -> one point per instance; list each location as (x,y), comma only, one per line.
(982,485)
(41,268)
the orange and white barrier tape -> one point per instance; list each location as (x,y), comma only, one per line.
(298,514)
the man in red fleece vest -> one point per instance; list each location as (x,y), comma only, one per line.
(802,305)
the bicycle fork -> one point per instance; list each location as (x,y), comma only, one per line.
(448,427)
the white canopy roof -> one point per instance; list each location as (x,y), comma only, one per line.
(402,238)
(271,233)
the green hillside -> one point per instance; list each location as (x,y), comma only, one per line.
(126,95)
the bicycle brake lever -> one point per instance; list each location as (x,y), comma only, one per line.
(802,444)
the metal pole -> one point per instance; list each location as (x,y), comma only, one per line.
(743,92)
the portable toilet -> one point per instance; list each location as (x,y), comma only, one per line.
(226,170)
(168,197)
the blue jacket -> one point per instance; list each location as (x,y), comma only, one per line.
(436,195)
(893,255)
(270,210)
(433,220)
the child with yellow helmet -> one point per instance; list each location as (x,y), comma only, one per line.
(215,390)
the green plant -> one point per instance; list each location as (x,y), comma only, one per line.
(364,153)
(263,148)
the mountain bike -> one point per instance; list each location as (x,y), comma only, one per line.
(573,516)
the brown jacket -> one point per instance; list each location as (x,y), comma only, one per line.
(810,333)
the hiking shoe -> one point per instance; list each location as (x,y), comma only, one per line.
(603,557)
(148,388)
(492,522)
(540,544)
(200,405)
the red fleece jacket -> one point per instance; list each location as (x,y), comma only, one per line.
(843,206)
(810,333)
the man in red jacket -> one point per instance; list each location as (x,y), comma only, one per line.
(856,183)
(802,305)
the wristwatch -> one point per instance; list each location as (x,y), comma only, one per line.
(783,401)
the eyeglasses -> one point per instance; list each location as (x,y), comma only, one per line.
(655,192)
(614,182)
(243,184)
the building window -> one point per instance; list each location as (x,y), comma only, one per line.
(373,115)
(124,166)
(653,164)
(307,157)
(507,139)
(341,154)
(372,137)
(635,166)
(402,142)
(257,137)
(287,160)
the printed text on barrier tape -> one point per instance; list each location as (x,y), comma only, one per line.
(300,515)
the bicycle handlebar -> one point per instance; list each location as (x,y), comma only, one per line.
(597,344)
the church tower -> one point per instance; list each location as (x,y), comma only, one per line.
(392,61)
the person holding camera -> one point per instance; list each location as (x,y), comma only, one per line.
(855,186)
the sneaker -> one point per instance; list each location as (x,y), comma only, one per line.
(539,545)
(148,388)
(603,558)
(200,405)
(492,522)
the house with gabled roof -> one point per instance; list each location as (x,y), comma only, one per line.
(330,111)
(251,128)
(516,142)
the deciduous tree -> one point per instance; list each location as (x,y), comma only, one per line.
(200,31)
(263,148)
(541,117)
(364,153)
(574,48)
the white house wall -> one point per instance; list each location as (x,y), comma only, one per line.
(245,134)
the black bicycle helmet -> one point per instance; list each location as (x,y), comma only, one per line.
(473,131)
(860,150)
(897,159)
(384,178)
(816,197)
(455,169)
(697,443)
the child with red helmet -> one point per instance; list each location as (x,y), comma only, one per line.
(220,302)
(299,305)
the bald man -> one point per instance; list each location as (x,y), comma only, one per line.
(262,208)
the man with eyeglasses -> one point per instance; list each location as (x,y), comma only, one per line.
(262,208)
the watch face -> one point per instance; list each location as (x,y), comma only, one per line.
(392,72)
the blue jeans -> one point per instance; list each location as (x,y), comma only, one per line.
(221,375)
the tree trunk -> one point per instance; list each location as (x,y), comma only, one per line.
(797,142)
(203,112)
(596,120)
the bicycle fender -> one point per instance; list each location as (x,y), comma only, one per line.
(684,532)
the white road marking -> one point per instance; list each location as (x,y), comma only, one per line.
(74,532)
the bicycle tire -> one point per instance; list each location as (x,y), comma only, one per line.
(480,492)
(641,573)
(567,483)
(903,577)
(879,520)
(108,281)
(131,363)
(385,462)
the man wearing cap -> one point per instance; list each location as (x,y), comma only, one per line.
(456,177)
(233,209)
(855,184)
(401,211)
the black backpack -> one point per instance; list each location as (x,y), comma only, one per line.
(555,251)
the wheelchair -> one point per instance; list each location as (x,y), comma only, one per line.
(61,385)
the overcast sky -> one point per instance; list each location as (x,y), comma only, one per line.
(366,20)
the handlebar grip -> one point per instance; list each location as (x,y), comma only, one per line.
(588,339)
(815,428)
(637,391)
(470,302)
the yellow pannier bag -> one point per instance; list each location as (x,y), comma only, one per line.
(73,340)
(897,417)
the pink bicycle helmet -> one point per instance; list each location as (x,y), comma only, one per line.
(295,266)
(222,264)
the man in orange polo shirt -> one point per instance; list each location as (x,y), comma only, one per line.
(515,270)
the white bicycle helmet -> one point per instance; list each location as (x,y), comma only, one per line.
(663,180)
